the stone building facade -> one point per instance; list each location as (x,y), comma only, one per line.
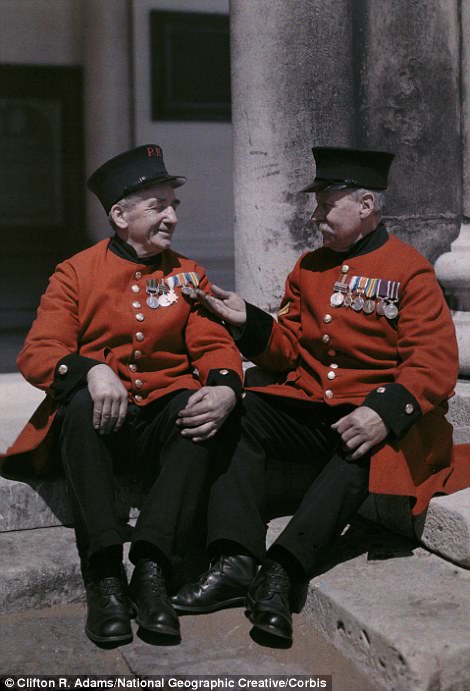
(392,75)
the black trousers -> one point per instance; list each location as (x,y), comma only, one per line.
(271,426)
(174,470)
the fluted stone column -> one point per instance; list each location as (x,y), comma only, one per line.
(453,268)
(292,88)
(107,92)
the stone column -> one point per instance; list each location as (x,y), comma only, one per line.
(107,92)
(408,97)
(453,268)
(292,88)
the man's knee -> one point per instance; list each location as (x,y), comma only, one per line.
(79,410)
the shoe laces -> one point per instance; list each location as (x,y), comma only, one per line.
(276,578)
(155,578)
(111,586)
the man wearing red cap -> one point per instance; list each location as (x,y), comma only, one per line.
(124,356)
(365,355)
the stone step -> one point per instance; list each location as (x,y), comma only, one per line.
(444,528)
(33,502)
(397,611)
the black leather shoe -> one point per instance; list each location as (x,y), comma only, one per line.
(268,601)
(109,611)
(225,584)
(147,591)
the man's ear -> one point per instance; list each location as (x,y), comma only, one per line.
(367,204)
(118,216)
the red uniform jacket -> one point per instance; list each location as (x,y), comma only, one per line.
(404,368)
(96,307)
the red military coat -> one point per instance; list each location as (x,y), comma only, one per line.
(96,307)
(405,368)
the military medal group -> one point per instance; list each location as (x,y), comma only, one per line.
(366,294)
(161,292)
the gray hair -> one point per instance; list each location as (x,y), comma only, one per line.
(379,198)
(125,202)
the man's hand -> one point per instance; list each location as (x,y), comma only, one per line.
(360,431)
(109,397)
(205,412)
(226,305)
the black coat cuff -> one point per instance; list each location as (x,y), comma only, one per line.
(255,336)
(70,375)
(225,377)
(397,407)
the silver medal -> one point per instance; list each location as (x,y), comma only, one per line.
(337,299)
(391,310)
(358,303)
(152,302)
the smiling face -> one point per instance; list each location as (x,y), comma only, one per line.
(147,219)
(343,218)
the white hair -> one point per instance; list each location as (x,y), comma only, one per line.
(378,195)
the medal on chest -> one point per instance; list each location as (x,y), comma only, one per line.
(368,295)
(152,290)
(162,292)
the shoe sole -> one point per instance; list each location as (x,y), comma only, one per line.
(164,630)
(264,627)
(123,638)
(226,604)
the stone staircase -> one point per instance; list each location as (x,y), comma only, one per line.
(394,597)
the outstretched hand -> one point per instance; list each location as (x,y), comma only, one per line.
(205,412)
(225,304)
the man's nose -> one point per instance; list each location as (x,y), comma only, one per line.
(171,214)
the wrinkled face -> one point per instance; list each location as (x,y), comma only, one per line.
(340,218)
(147,219)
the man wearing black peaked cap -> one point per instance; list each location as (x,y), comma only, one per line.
(123,355)
(365,357)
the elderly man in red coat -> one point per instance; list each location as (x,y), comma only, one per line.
(121,352)
(366,357)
